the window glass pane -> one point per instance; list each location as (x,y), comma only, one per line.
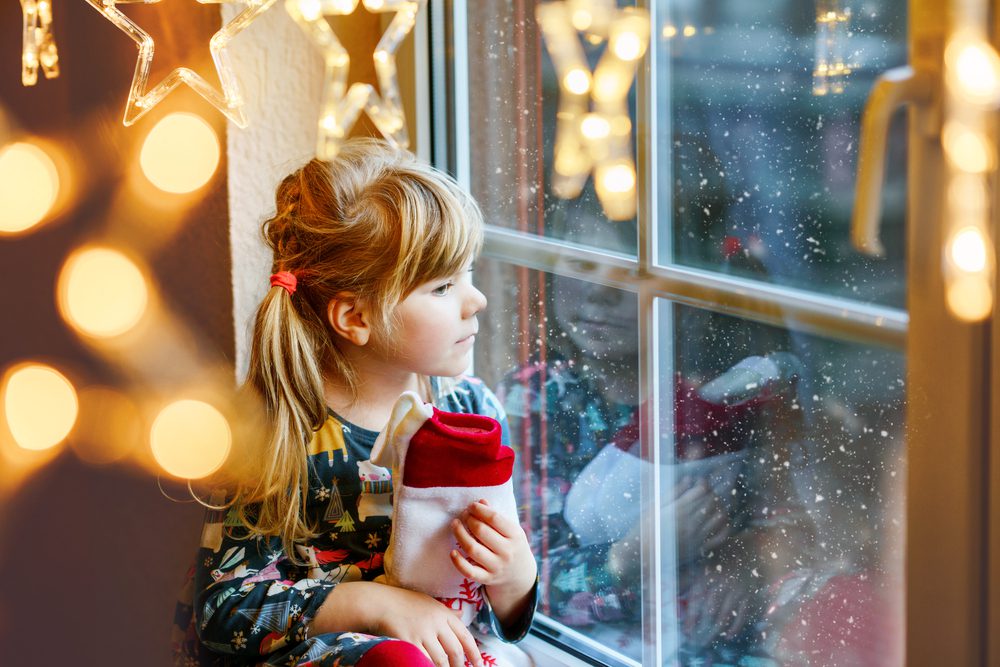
(513,100)
(783,506)
(563,357)
(759,106)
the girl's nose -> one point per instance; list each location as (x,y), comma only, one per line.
(474,302)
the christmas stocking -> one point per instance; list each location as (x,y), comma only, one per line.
(441,462)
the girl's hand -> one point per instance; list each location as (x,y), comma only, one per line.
(497,555)
(366,606)
(702,521)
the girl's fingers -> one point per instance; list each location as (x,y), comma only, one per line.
(435,653)
(500,523)
(468,642)
(485,534)
(469,570)
(453,649)
(472,545)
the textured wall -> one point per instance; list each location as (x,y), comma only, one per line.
(281,74)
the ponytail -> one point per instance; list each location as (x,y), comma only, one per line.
(286,376)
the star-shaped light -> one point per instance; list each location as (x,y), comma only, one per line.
(341,105)
(39,47)
(597,140)
(140,100)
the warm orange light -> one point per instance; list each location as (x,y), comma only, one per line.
(102,293)
(190,439)
(40,406)
(970,297)
(976,71)
(180,153)
(627,45)
(967,250)
(618,179)
(577,81)
(595,126)
(29,186)
(968,150)
(109,427)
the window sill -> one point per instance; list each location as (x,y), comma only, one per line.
(548,655)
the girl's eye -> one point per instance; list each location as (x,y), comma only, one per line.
(442,289)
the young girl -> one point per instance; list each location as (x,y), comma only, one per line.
(371,296)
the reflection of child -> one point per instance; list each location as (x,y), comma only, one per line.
(371,297)
(583,475)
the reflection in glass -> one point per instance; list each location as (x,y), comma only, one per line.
(785,523)
(759,106)
(513,127)
(567,373)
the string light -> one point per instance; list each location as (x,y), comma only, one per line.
(102,293)
(29,186)
(341,105)
(40,405)
(830,70)
(190,439)
(229,101)
(180,153)
(595,140)
(972,93)
(38,44)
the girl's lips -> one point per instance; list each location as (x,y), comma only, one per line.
(471,338)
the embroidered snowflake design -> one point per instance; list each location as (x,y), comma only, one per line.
(208,562)
(255,629)
(372,541)
(322,493)
(238,641)
(295,611)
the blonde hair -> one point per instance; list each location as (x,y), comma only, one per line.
(374,223)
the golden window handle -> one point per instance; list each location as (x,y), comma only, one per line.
(893,89)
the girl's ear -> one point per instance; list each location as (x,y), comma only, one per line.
(348,318)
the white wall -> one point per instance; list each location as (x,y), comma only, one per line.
(280,72)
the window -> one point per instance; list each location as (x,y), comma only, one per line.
(708,400)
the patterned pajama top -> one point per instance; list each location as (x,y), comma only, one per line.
(246,603)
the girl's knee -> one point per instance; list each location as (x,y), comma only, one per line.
(392,653)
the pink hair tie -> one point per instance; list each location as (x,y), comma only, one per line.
(285,280)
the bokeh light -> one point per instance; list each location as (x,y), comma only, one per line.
(627,45)
(180,153)
(40,405)
(102,293)
(29,186)
(968,250)
(190,439)
(595,126)
(976,70)
(967,149)
(311,9)
(619,178)
(970,297)
(577,81)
